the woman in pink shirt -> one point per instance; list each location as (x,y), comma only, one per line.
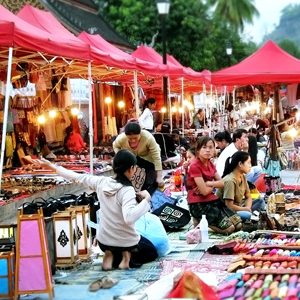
(202,181)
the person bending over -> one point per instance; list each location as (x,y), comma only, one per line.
(121,207)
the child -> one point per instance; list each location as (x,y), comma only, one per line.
(121,207)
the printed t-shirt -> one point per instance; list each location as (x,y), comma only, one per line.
(207,172)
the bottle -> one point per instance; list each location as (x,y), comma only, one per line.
(204,229)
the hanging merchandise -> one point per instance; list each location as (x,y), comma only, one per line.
(29,90)
(9,150)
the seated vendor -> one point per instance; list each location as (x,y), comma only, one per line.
(236,192)
(74,143)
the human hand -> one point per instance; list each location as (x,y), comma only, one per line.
(141,195)
(44,163)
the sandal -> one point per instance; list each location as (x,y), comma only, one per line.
(104,282)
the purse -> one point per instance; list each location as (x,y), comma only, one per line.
(172,216)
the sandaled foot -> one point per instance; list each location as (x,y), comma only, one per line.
(104,282)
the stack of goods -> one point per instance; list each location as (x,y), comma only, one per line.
(287,207)
(270,266)
(18,186)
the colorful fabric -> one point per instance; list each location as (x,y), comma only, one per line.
(217,214)
(191,286)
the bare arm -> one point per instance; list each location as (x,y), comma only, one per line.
(217,183)
(202,186)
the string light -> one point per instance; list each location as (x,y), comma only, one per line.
(107,100)
(74,111)
(121,104)
(52,113)
(163,110)
(41,119)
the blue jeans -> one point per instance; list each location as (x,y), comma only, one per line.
(254,174)
(258,204)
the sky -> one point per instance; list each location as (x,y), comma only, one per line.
(270,11)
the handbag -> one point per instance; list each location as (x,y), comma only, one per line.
(172,216)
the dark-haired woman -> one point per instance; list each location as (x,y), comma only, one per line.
(146,118)
(123,247)
(142,144)
(202,180)
(236,192)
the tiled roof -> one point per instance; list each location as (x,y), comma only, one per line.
(77,16)
(77,19)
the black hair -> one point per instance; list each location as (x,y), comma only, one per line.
(192,150)
(238,134)
(233,161)
(223,135)
(123,161)
(148,102)
(253,130)
(202,141)
(132,128)
(165,127)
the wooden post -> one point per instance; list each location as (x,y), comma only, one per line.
(33,272)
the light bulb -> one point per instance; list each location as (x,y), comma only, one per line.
(52,113)
(163,110)
(121,104)
(41,119)
(107,100)
(74,111)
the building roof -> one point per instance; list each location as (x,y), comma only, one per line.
(82,15)
(77,16)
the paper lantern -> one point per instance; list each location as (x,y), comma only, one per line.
(83,231)
(7,274)
(65,236)
(32,274)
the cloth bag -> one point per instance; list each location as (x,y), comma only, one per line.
(172,216)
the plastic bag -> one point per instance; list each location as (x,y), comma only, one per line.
(193,236)
(150,227)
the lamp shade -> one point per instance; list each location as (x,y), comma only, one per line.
(163,7)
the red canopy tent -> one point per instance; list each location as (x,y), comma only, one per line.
(47,22)
(15,32)
(149,67)
(149,54)
(269,64)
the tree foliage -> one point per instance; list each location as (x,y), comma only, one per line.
(195,37)
(290,47)
(235,12)
(288,27)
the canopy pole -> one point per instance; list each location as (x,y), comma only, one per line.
(182,104)
(5,114)
(170,104)
(136,94)
(91,129)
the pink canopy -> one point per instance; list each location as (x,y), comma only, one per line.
(46,21)
(269,64)
(15,32)
(154,68)
(149,54)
